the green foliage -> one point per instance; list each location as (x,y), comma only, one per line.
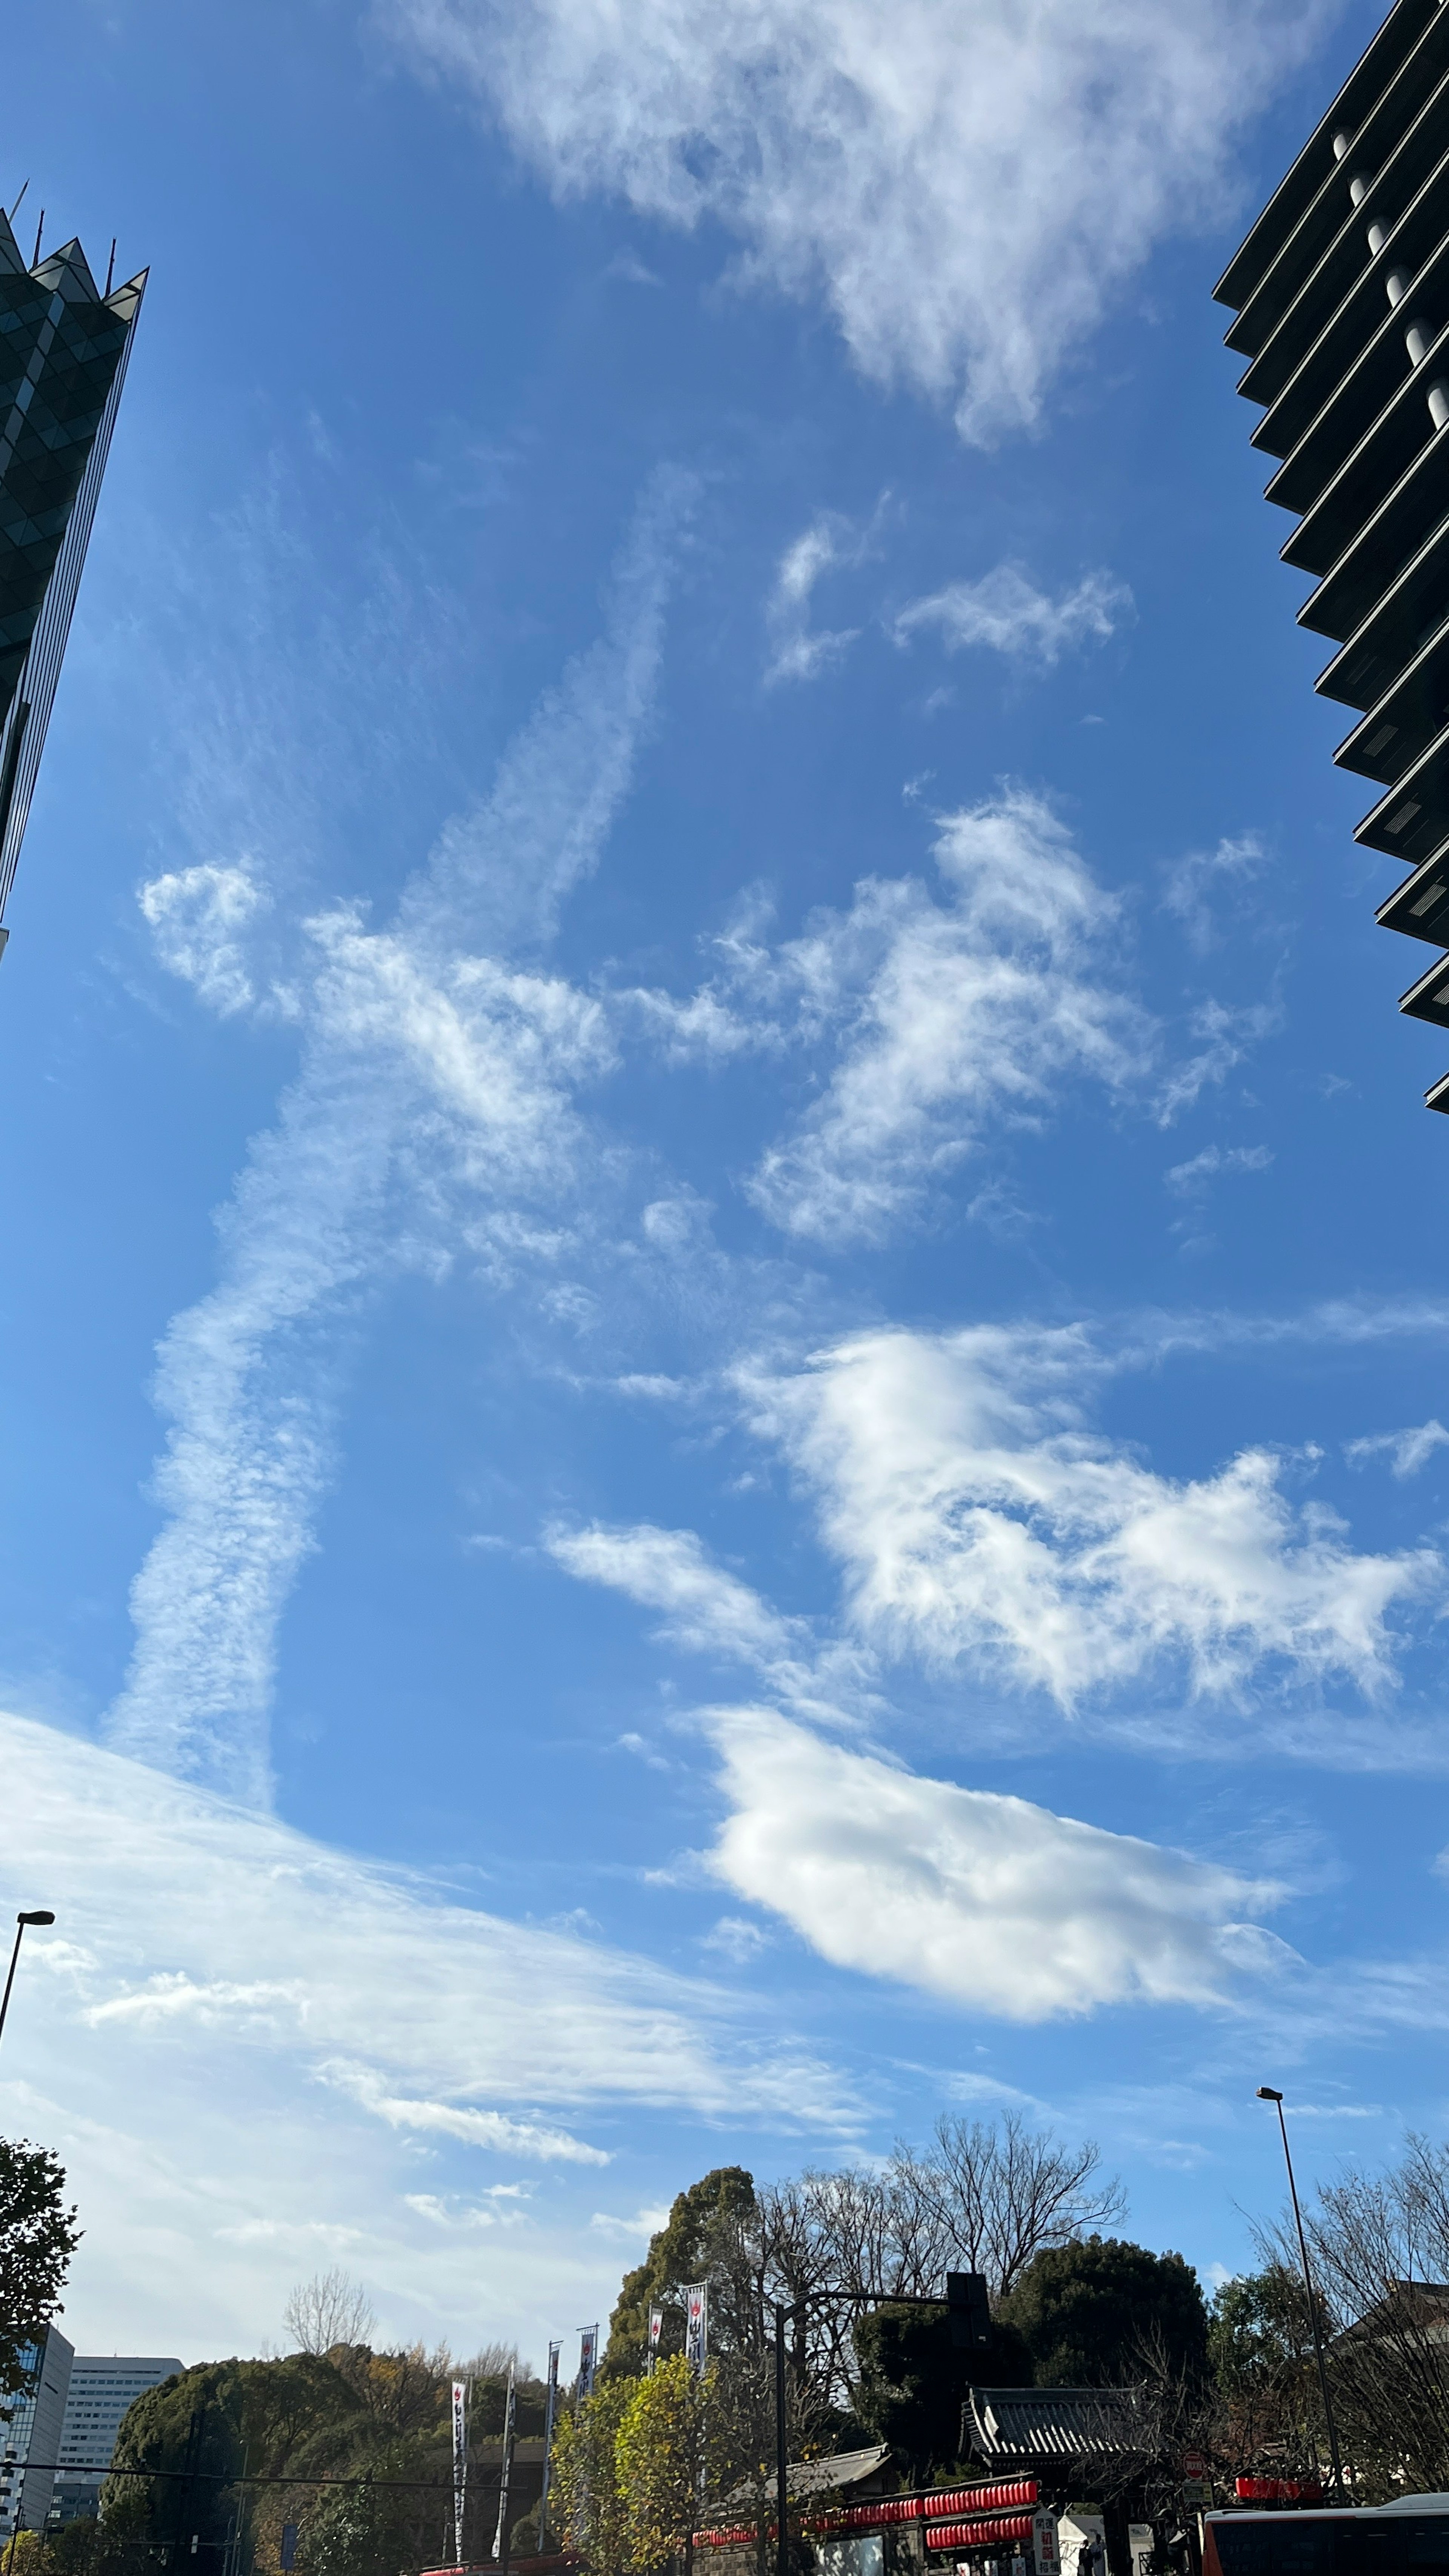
(913,2381)
(374,2528)
(353,2446)
(1259,2332)
(680,2252)
(585,2497)
(38,2236)
(187,2436)
(1102,2312)
(659,2452)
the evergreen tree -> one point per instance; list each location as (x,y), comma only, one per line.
(683,2250)
(1098,2313)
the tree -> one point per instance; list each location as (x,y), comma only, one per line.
(659,2450)
(329,2309)
(993,2194)
(585,2495)
(1379,2245)
(1092,2314)
(38,2236)
(679,2252)
(186,2435)
(1260,2353)
(913,2382)
(371,2528)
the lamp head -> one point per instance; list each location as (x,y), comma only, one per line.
(39,1916)
(1267,2094)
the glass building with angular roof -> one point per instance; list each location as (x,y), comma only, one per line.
(63,351)
(1341,299)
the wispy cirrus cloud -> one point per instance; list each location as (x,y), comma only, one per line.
(707,1610)
(1195,1175)
(798,651)
(950,1013)
(1406,1451)
(1194,884)
(1005,612)
(245,2042)
(967,192)
(439,1069)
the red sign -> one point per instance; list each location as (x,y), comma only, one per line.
(1194,2465)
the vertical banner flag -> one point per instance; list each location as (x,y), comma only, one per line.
(696,2325)
(460,2465)
(505,2481)
(656,2329)
(549,2412)
(588,2354)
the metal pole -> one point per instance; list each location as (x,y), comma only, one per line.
(1267,2094)
(10,1980)
(782,2447)
(37,1914)
(501,2537)
(550,2409)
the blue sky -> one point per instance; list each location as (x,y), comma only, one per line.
(723,1281)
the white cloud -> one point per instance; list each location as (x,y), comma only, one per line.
(242,2041)
(1194,881)
(968,188)
(437,1083)
(198,918)
(492,2129)
(736,1938)
(630,2231)
(705,1607)
(1006,613)
(1407,1451)
(982,1899)
(977,1516)
(709,1611)
(1228,1032)
(1204,1167)
(982,1007)
(795,652)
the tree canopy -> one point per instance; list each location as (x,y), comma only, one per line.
(38,2236)
(1098,2313)
(913,2382)
(684,2249)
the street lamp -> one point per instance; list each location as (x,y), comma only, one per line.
(1267,2094)
(38,1916)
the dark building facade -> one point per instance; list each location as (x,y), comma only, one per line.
(63,351)
(1341,299)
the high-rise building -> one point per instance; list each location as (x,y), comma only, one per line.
(64,345)
(33,2434)
(103,2387)
(1341,298)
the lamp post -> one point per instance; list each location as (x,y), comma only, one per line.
(782,2438)
(39,1916)
(1266,2093)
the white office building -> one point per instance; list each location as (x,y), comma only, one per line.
(103,2386)
(33,2434)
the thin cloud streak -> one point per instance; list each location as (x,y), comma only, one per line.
(1004,612)
(428,1075)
